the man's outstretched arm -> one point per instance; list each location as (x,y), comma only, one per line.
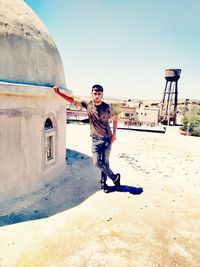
(66,97)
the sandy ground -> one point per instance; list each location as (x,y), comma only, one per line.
(153,221)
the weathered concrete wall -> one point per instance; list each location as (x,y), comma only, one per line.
(145,115)
(23,165)
(27,51)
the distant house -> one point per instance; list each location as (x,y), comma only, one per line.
(76,113)
(77,116)
(139,114)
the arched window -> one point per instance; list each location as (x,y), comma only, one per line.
(49,133)
(48,124)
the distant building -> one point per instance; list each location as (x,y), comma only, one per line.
(32,116)
(139,114)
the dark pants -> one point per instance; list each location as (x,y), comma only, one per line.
(101,148)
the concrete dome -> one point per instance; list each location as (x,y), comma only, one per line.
(27,52)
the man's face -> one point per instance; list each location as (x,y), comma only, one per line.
(97,97)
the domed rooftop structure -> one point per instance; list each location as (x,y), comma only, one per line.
(32,116)
(28,54)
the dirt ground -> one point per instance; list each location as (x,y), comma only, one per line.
(153,221)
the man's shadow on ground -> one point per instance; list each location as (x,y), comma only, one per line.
(127,189)
(79,183)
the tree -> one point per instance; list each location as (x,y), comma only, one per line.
(116,107)
(191,121)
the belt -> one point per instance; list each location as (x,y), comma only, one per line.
(101,138)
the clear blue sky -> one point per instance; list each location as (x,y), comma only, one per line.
(125,45)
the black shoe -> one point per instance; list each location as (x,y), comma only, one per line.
(105,187)
(117,181)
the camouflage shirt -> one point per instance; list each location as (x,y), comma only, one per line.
(99,117)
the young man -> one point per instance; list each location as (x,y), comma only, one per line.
(99,114)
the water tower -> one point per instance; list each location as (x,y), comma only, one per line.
(170,97)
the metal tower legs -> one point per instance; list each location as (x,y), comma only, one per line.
(169,103)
